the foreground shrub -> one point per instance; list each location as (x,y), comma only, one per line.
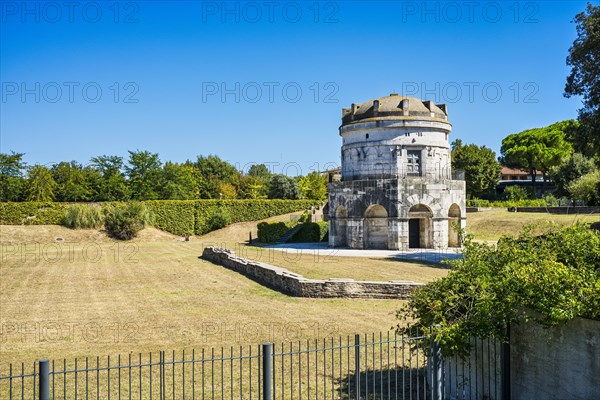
(271,232)
(123,222)
(549,278)
(82,216)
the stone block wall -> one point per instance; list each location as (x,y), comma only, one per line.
(285,281)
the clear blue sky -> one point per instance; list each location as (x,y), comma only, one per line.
(162,67)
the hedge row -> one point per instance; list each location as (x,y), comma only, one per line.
(311,232)
(32,213)
(180,217)
(506,204)
(308,232)
(271,232)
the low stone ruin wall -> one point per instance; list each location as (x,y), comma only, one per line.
(285,281)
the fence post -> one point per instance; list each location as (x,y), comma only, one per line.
(161,375)
(505,365)
(267,372)
(436,370)
(357,365)
(44,379)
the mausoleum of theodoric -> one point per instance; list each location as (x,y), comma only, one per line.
(397,189)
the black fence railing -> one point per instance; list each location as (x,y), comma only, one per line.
(386,366)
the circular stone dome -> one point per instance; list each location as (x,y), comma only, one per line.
(394,107)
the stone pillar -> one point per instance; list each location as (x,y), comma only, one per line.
(332,232)
(440,233)
(355,233)
(398,236)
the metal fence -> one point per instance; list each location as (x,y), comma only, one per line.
(369,366)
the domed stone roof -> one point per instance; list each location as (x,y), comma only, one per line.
(394,107)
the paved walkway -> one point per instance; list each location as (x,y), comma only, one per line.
(322,249)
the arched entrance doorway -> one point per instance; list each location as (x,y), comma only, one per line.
(420,229)
(376,227)
(340,227)
(453,219)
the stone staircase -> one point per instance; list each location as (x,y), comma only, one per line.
(288,235)
(316,215)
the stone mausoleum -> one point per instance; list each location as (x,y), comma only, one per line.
(397,190)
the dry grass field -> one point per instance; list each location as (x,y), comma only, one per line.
(90,295)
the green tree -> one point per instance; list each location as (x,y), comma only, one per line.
(253,187)
(283,187)
(545,274)
(538,148)
(586,188)
(11,176)
(313,186)
(570,170)
(260,171)
(40,185)
(482,170)
(144,170)
(74,182)
(114,185)
(584,80)
(179,182)
(215,172)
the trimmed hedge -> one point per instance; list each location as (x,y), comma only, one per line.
(506,204)
(174,216)
(271,232)
(245,210)
(308,232)
(179,217)
(311,232)
(32,213)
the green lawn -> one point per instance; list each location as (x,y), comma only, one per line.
(491,225)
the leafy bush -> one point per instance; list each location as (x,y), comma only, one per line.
(551,201)
(82,216)
(271,232)
(219,219)
(515,193)
(123,222)
(311,232)
(548,201)
(586,188)
(545,274)
(478,203)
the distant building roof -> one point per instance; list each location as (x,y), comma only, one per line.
(516,171)
(337,170)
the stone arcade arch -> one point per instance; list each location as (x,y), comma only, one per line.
(376,227)
(420,227)
(453,218)
(340,226)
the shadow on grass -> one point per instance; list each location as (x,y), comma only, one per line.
(396,383)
